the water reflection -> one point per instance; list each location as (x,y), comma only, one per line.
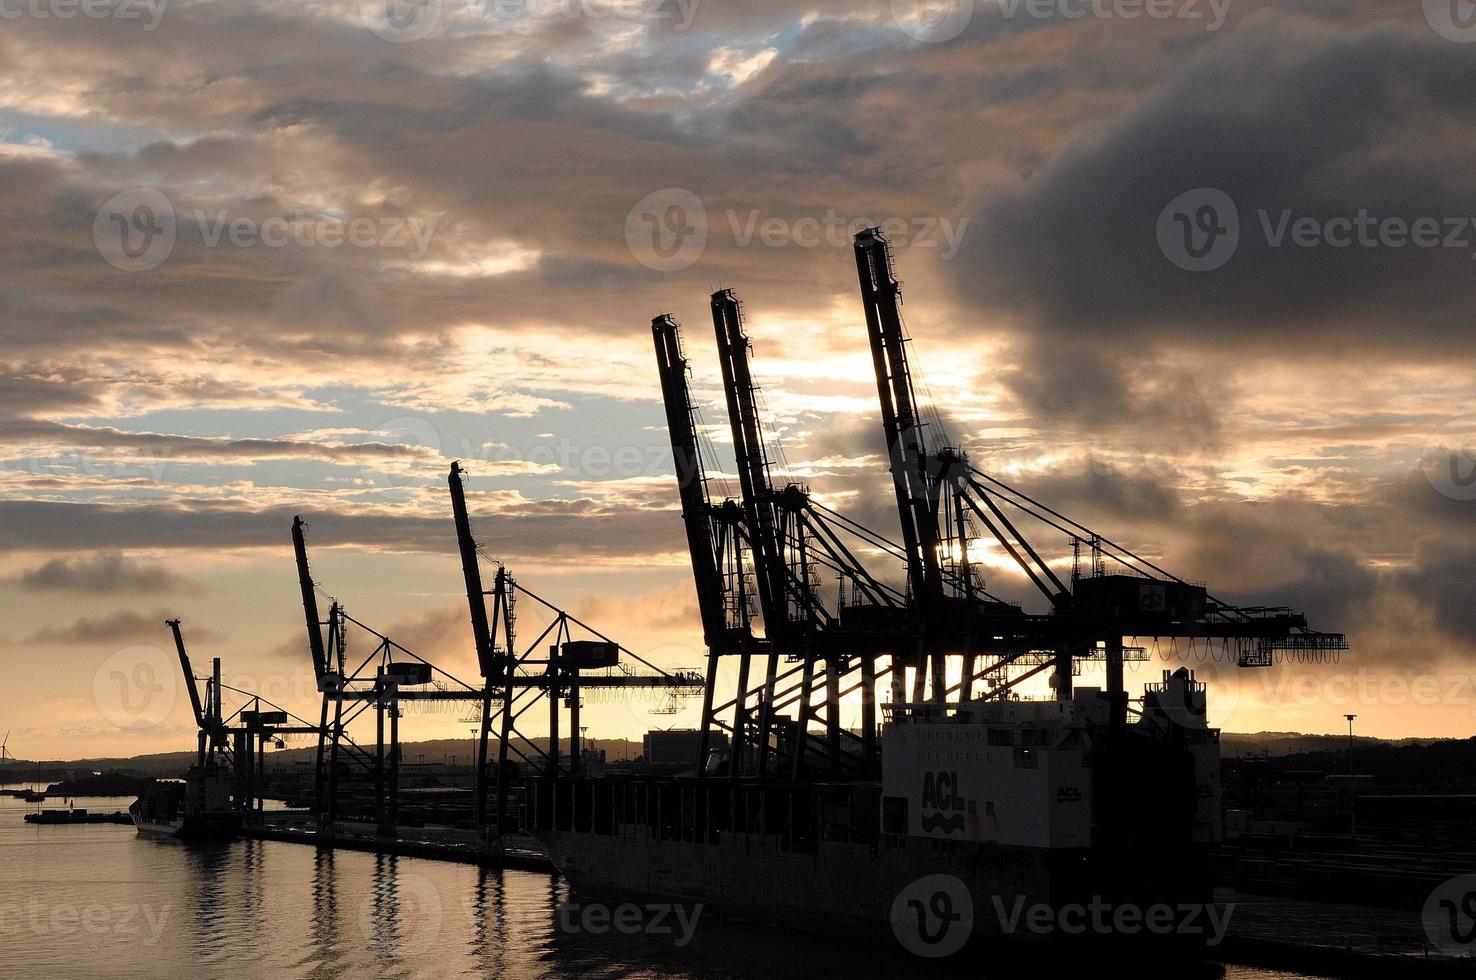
(208,864)
(381,924)
(266,908)
(488,912)
(323,937)
(253,911)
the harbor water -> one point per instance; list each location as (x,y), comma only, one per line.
(92,901)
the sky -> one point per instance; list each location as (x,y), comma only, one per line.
(1199,274)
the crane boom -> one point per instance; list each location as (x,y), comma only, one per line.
(472,573)
(917,490)
(697,510)
(189,674)
(753,464)
(906,445)
(309,599)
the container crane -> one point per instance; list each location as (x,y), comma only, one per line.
(1089,618)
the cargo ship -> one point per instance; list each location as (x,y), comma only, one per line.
(196,807)
(1019,803)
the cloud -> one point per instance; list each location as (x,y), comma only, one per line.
(164,446)
(553,530)
(121,626)
(103,574)
(1440,577)
(1326,122)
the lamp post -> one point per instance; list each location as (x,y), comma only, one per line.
(1352,799)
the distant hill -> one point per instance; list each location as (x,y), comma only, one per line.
(1402,766)
(175,763)
(1233,744)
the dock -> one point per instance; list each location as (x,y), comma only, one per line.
(1337,938)
(71,817)
(519,852)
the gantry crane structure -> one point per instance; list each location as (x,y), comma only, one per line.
(940,623)
(234,742)
(565,659)
(780,547)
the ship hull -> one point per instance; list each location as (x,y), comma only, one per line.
(843,888)
(814,857)
(203,826)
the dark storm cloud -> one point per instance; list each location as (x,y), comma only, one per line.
(1070,380)
(1093,491)
(1334,589)
(102,574)
(59,390)
(1441,577)
(1278,115)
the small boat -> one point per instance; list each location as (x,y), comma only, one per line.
(31,796)
(197,807)
(57,816)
